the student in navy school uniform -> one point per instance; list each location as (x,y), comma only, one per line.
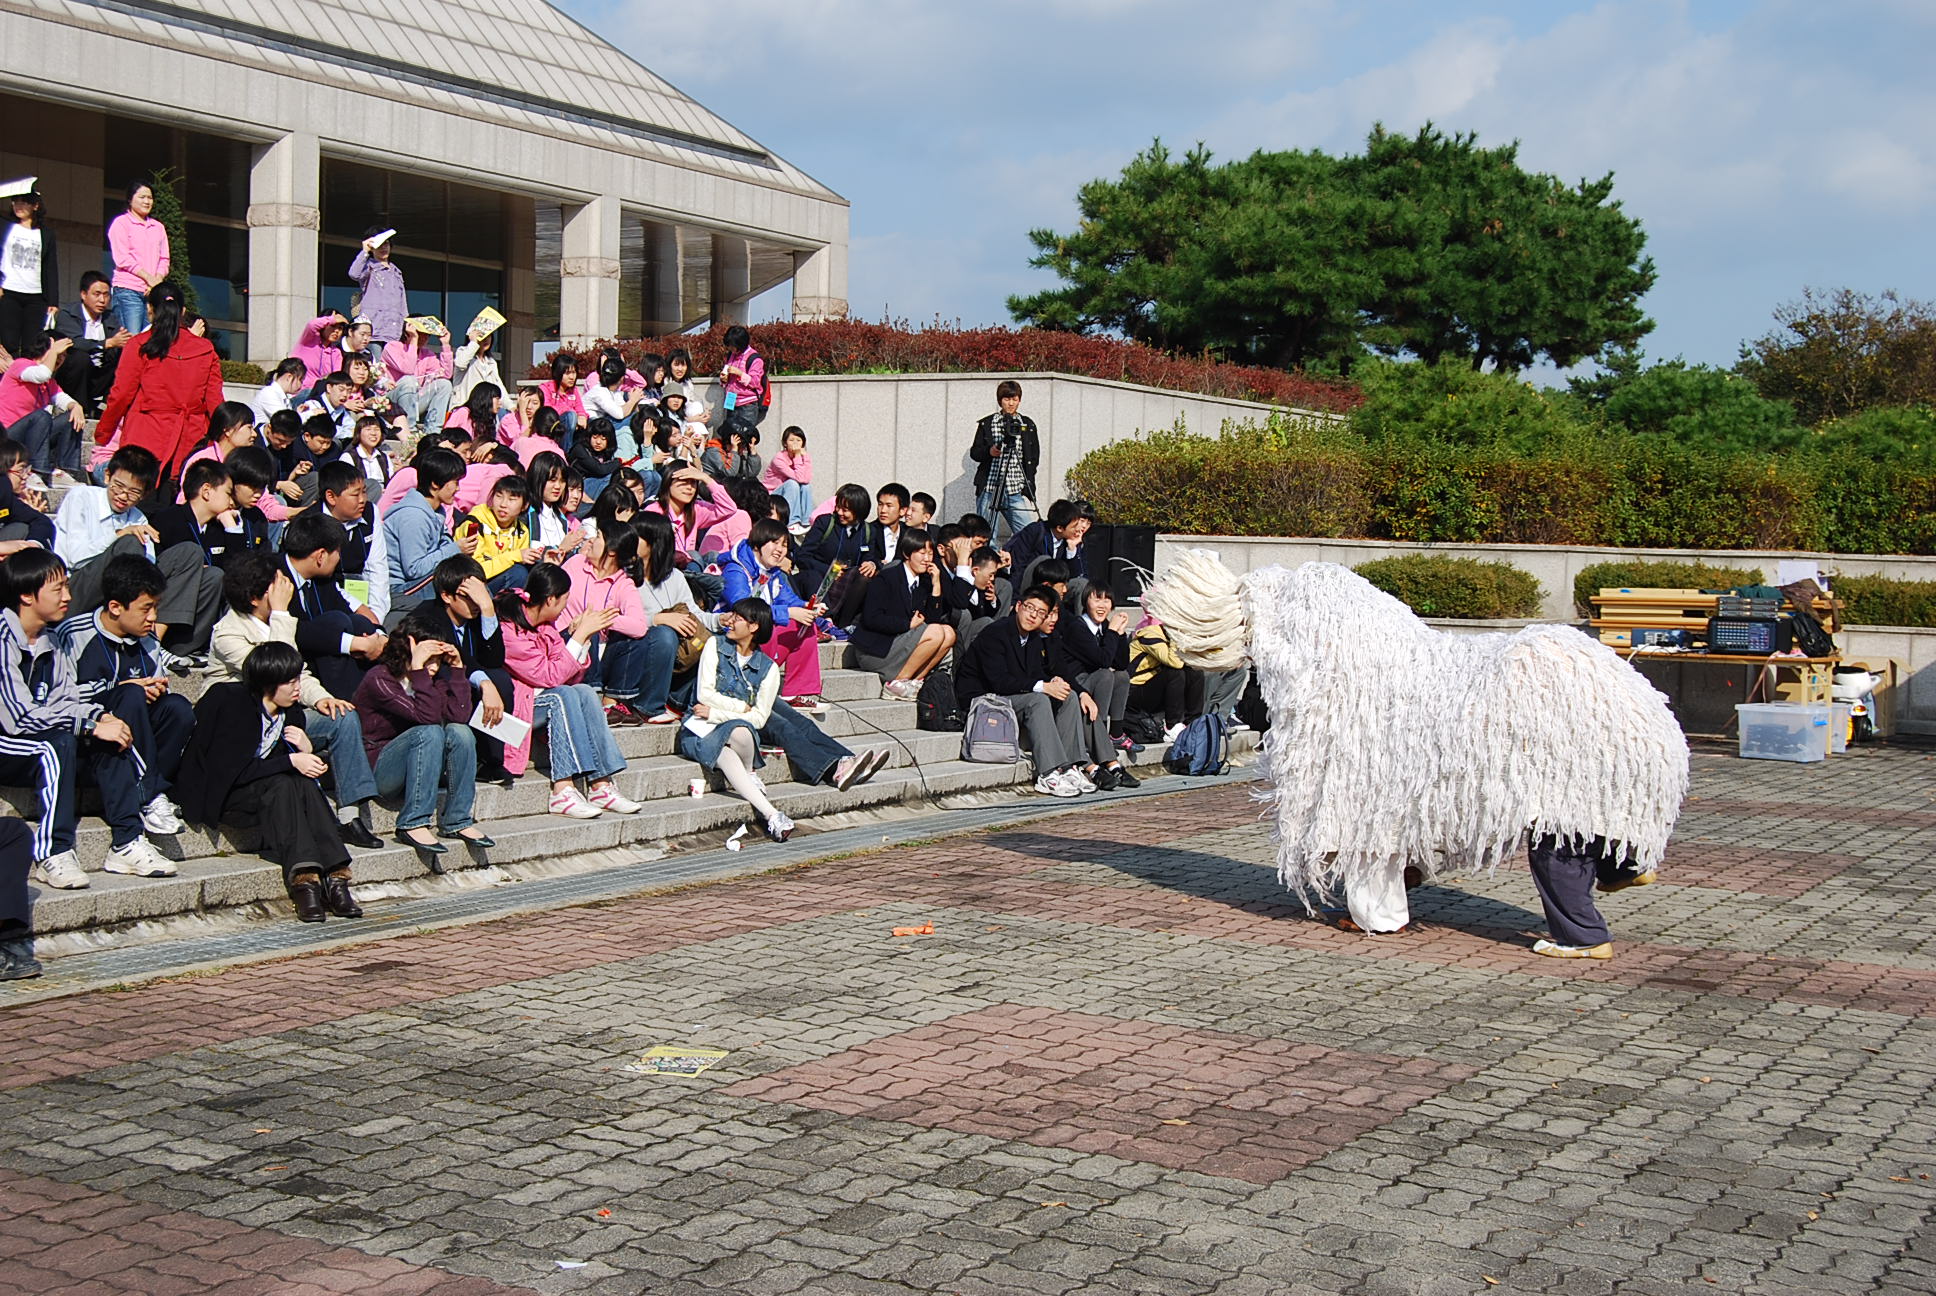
(245,528)
(117,664)
(339,642)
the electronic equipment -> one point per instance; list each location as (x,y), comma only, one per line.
(1750,636)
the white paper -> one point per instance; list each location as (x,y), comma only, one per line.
(1790,570)
(18,188)
(732,843)
(509,730)
(381,237)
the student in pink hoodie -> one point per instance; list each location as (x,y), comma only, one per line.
(547,665)
(605,575)
(789,474)
(420,377)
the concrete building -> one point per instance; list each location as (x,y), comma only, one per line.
(525,163)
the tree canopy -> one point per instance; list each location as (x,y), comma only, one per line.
(1833,354)
(1427,245)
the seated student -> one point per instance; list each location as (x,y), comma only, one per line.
(22,520)
(289,464)
(339,642)
(279,393)
(480,413)
(366,452)
(229,430)
(404,479)
(364,571)
(890,517)
(99,523)
(841,539)
(416,709)
(43,718)
(118,666)
(555,529)
(244,528)
(732,453)
(903,631)
(17,961)
(758,568)
(605,574)
(667,599)
(551,664)
(545,435)
(1090,649)
(1054,573)
(336,400)
(320,446)
(504,548)
(694,504)
(1159,683)
(413,529)
(259,590)
(463,605)
(595,456)
(976,595)
(1057,536)
(196,527)
(750,501)
(789,474)
(738,687)
(1008,659)
(251,767)
(87,371)
(487,463)
(920,511)
(35,411)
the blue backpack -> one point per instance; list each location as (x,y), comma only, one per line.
(1202,748)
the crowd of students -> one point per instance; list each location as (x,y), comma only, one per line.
(598,551)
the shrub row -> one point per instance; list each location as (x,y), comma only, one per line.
(850,347)
(1656,575)
(1879,600)
(1291,479)
(1435,586)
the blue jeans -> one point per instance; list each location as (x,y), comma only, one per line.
(808,748)
(50,440)
(129,309)
(339,740)
(581,742)
(426,404)
(417,760)
(636,671)
(1019,509)
(799,498)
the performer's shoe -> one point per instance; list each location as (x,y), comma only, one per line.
(1625,880)
(1414,877)
(1347,925)
(1553,949)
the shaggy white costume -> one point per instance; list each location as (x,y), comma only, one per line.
(1392,743)
(1197,600)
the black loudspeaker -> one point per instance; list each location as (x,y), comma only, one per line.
(1116,553)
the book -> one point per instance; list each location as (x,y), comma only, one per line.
(488,321)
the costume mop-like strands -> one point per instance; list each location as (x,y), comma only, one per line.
(1393,744)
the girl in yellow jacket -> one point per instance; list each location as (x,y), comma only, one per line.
(1159,683)
(503,539)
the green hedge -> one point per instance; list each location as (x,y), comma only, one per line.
(1878,600)
(240,371)
(1656,575)
(1455,587)
(1283,479)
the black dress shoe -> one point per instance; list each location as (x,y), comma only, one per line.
(355,834)
(1106,778)
(1124,779)
(483,840)
(309,901)
(336,894)
(500,776)
(430,854)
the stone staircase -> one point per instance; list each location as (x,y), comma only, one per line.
(218,872)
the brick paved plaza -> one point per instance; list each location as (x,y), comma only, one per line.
(1123,1061)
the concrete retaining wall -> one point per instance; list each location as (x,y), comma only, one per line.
(1554,566)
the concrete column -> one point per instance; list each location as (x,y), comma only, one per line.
(285,243)
(513,350)
(820,284)
(732,279)
(665,286)
(588,273)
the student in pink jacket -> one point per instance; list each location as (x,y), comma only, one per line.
(420,377)
(320,347)
(547,665)
(562,393)
(789,474)
(634,656)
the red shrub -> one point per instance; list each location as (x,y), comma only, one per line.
(846,346)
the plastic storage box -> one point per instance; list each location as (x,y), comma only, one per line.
(1785,731)
(1838,730)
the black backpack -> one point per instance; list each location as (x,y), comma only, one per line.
(935,707)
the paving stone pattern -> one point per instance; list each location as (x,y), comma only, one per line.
(1124,1061)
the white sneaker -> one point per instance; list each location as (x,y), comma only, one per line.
(847,771)
(139,859)
(161,817)
(1082,781)
(606,797)
(1236,726)
(901,690)
(572,804)
(62,870)
(1174,732)
(876,762)
(1056,786)
(778,826)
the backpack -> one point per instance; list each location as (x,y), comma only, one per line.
(1202,748)
(993,734)
(934,706)
(1142,726)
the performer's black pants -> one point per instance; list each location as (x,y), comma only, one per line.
(1565,875)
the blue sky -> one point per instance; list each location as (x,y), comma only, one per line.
(1764,146)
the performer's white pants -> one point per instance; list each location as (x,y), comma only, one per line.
(1378,904)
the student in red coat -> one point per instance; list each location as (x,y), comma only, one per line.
(168,383)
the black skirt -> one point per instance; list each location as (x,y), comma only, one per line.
(291,821)
(16,860)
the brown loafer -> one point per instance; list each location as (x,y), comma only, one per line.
(309,901)
(336,895)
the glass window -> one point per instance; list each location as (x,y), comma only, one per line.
(218,270)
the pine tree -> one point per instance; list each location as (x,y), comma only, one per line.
(174,218)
